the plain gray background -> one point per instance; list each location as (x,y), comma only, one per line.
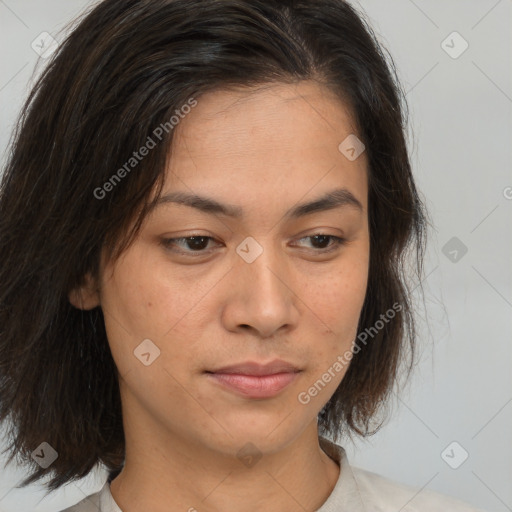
(460,107)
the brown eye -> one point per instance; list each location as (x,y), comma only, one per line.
(189,244)
(321,243)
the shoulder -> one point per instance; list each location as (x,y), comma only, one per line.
(383,494)
(89,504)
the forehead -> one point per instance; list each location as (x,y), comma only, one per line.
(248,117)
(283,137)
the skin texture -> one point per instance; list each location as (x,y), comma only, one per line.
(265,151)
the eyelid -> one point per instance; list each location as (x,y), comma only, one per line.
(336,243)
(166,242)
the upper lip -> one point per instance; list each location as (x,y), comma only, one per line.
(255,368)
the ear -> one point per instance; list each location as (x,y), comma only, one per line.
(86,296)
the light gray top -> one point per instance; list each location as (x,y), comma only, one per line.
(356,490)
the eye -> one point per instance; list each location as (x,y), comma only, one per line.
(323,240)
(198,245)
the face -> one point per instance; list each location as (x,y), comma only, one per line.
(271,282)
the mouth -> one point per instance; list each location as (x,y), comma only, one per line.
(255,380)
(257,369)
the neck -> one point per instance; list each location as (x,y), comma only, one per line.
(189,476)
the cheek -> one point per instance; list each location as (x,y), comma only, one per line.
(143,300)
(339,297)
(337,301)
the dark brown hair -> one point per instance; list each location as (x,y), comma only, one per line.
(124,70)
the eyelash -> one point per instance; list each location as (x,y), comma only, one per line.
(168,242)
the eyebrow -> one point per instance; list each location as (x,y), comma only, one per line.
(337,198)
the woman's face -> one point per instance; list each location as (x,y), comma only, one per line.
(261,287)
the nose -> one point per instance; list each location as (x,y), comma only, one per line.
(261,295)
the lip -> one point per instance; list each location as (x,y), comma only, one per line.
(254,386)
(255,380)
(257,369)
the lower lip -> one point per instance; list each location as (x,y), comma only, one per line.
(254,386)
